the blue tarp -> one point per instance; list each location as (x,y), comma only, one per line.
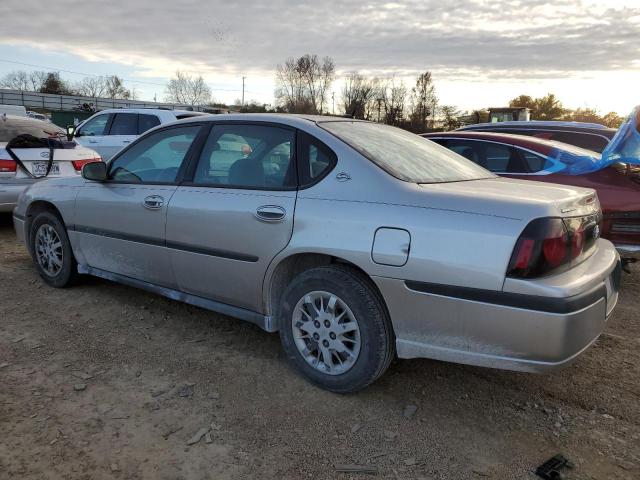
(624,147)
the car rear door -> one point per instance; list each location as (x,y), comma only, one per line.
(120,223)
(122,131)
(226,224)
(91,133)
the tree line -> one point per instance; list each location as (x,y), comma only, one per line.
(304,85)
(549,107)
(110,86)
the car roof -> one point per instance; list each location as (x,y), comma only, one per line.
(533,124)
(532,143)
(152,110)
(290,119)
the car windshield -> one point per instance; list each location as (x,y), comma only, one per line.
(11,127)
(405,155)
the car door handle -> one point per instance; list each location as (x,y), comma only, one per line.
(270,213)
(126,141)
(153,202)
(93,141)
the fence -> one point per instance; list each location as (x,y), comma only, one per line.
(69,103)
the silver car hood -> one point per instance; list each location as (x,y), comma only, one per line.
(504,197)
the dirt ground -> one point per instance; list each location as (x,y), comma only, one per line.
(105,381)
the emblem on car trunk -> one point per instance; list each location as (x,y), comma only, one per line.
(343,177)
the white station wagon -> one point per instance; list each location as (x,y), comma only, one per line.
(109,131)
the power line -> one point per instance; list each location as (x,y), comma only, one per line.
(99,76)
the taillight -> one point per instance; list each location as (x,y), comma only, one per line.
(78,164)
(550,245)
(8,166)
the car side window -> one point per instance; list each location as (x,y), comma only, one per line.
(535,163)
(495,157)
(439,141)
(469,149)
(147,122)
(499,158)
(94,127)
(156,158)
(584,140)
(247,156)
(315,159)
(124,124)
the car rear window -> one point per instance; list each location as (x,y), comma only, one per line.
(405,155)
(124,124)
(11,127)
(147,122)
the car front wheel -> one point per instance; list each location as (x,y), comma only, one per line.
(51,250)
(335,328)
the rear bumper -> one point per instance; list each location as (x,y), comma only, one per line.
(548,334)
(9,194)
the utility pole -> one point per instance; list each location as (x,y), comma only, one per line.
(333,102)
(243,90)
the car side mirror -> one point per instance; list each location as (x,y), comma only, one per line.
(71,130)
(95,171)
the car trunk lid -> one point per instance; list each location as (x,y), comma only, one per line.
(518,199)
(66,161)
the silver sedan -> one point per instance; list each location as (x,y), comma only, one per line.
(355,241)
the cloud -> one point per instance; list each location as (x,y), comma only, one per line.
(455,38)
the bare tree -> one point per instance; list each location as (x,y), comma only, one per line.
(91,87)
(114,88)
(37,78)
(302,84)
(450,117)
(360,96)
(291,93)
(424,102)
(18,80)
(325,76)
(394,98)
(188,90)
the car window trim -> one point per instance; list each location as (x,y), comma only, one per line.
(191,170)
(183,165)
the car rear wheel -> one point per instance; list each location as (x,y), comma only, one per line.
(335,329)
(51,250)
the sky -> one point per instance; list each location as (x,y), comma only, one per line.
(481,52)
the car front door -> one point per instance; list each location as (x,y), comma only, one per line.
(228,222)
(122,131)
(91,133)
(120,223)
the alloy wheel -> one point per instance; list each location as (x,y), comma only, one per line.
(49,252)
(326,332)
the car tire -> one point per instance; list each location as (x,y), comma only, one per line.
(51,250)
(356,300)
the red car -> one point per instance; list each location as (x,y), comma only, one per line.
(530,158)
